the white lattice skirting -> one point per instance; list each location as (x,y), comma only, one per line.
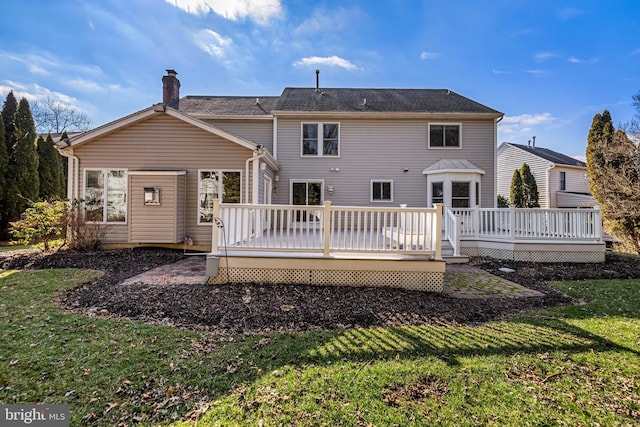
(537,251)
(422,275)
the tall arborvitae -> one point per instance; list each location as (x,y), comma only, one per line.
(9,110)
(515,193)
(65,167)
(4,166)
(23,168)
(530,193)
(49,169)
(599,138)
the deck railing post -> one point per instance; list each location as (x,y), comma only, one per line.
(326,228)
(456,249)
(476,220)
(597,219)
(436,230)
(214,226)
(512,223)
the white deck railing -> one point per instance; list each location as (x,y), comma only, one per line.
(327,229)
(519,224)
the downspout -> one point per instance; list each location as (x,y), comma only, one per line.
(259,153)
(275,138)
(495,163)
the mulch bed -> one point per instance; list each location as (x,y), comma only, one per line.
(258,308)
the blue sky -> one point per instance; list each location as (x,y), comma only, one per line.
(548,65)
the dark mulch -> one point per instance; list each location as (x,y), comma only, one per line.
(258,308)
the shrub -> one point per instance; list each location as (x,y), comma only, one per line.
(81,234)
(42,221)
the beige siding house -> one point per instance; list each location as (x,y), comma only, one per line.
(562,180)
(151,177)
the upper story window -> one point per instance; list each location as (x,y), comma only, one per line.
(444,135)
(216,184)
(320,139)
(563,181)
(105,195)
(381,190)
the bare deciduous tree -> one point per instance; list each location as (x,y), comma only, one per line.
(52,116)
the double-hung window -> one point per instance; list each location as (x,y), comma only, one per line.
(444,135)
(381,190)
(216,184)
(320,139)
(105,195)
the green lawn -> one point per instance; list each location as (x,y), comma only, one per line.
(569,366)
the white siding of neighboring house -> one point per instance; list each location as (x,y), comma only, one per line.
(164,143)
(576,181)
(382,149)
(511,158)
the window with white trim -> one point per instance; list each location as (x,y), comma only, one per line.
(445,135)
(320,139)
(460,195)
(105,195)
(437,192)
(217,184)
(381,190)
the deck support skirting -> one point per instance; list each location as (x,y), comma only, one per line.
(536,251)
(414,273)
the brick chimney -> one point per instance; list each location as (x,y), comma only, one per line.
(170,88)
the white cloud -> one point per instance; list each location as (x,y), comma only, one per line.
(90,86)
(34,92)
(518,127)
(36,64)
(330,61)
(428,55)
(543,56)
(212,43)
(323,19)
(535,71)
(496,71)
(260,11)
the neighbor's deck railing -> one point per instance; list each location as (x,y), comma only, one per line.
(327,229)
(519,224)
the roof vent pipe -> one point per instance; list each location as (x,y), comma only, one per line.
(364,102)
(529,143)
(534,141)
(317,80)
(257,101)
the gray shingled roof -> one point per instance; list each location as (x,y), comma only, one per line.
(227,105)
(550,155)
(378,100)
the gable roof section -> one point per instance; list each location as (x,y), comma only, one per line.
(158,109)
(222,106)
(378,101)
(550,155)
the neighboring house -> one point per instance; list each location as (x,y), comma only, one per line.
(152,176)
(562,180)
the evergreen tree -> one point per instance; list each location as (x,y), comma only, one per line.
(599,137)
(613,167)
(23,168)
(9,110)
(65,168)
(4,166)
(49,169)
(529,188)
(516,191)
